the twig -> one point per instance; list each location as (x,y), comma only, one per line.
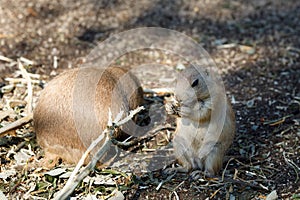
(214,194)
(16,124)
(134,141)
(3,58)
(227,46)
(119,122)
(5,114)
(293,165)
(277,121)
(26,61)
(223,173)
(21,80)
(174,190)
(55,62)
(29,86)
(77,176)
(176,195)
(295,49)
(29,117)
(233,181)
(167,180)
(160,91)
(36,76)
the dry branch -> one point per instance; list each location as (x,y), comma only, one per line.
(77,176)
(150,134)
(26,61)
(5,59)
(21,80)
(159,91)
(29,86)
(16,124)
(6,113)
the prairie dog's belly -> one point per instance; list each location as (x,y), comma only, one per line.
(188,140)
(193,132)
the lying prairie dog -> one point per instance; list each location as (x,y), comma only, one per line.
(73,109)
(205,123)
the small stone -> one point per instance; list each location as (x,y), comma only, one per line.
(247,49)
(180,66)
(250,103)
(56,172)
(272,195)
(7,89)
(17,103)
(254,127)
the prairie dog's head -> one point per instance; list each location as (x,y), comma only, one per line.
(192,86)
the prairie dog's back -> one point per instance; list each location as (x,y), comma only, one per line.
(73,109)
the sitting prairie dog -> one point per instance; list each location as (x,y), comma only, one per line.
(73,109)
(201,139)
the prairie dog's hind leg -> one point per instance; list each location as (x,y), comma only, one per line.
(50,160)
(183,159)
(211,158)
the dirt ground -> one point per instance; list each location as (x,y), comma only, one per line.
(255,44)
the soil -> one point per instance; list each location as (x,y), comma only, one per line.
(255,44)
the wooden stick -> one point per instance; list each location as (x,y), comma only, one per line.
(29,86)
(6,113)
(36,76)
(16,124)
(150,135)
(26,61)
(160,91)
(20,80)
(6,59)
(77,176)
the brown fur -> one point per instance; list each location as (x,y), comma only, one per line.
(194,147)
(57,131)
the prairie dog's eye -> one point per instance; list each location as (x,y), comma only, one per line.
(195,83)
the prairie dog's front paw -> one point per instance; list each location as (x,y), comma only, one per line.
(169,171)
(185,111)
(172,106)
(197,174)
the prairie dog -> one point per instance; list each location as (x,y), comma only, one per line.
(205,122)
(73,108)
